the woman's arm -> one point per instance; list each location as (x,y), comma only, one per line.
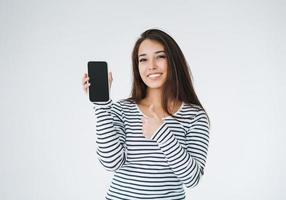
(188,164)
(110,134)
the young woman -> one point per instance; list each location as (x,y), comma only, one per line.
(157,140)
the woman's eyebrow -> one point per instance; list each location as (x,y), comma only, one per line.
(143,54)
(160,51)
(156,52)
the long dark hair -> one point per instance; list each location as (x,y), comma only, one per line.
(178,86)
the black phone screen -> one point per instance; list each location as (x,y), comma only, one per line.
(98,79)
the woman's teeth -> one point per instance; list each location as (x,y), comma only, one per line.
(154,75)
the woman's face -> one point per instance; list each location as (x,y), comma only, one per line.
(153,63)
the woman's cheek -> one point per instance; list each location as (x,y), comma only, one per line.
(142,73)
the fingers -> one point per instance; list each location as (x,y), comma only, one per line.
(110,79)
(86,86)
(85,83)
(110,76)
(85,78)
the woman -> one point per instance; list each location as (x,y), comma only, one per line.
(157,140)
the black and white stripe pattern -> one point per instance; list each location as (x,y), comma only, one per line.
(155,168)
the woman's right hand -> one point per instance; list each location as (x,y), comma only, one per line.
(86,84)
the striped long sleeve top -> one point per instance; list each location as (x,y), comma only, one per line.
(155,168)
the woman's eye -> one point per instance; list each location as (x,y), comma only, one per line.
(141,60)
(162,56)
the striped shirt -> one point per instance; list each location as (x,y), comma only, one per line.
(155,168)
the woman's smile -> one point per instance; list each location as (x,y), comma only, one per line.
(155,76)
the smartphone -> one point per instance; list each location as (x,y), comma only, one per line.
(98,79)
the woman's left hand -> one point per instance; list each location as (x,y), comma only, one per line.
(151,124)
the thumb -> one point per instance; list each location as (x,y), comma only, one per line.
(152,111)
(110,79)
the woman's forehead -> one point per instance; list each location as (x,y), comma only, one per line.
(150,47)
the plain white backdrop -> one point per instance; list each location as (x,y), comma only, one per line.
(236,51)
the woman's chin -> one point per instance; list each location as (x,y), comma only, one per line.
(155,86)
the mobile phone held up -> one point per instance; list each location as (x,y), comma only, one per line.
(98,79)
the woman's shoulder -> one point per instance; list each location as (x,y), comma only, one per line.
(193,113)
(191,110)
(124,103)
(193,107)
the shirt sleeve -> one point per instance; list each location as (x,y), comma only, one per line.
(187,163)
(110,133)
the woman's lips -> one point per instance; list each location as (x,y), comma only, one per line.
(154,76)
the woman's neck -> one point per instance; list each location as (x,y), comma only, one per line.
(154,97)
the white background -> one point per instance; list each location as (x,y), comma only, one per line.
(236,51)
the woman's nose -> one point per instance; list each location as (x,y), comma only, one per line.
(152,64)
